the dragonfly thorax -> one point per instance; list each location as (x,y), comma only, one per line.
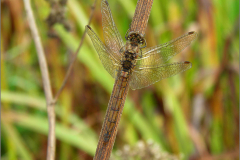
(127,65)
(129,58)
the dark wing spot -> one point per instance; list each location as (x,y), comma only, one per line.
(88,27)
(191,32)
(106,2)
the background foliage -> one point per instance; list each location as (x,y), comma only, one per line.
(194,115)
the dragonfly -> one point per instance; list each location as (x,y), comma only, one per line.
(132,65)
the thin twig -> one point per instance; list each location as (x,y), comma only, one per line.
(75,55)
(46,81)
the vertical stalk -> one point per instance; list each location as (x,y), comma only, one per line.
(141,15)
(46,81)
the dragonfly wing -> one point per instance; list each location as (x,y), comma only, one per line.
(111,35)
(147,75)
(162,53)
(109,61)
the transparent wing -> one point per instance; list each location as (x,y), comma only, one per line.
(111,35)
(147,75)
(162,53)
(110,63)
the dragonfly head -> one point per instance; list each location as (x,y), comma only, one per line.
(136,39)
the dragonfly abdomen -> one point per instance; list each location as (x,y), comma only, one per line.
(113,115)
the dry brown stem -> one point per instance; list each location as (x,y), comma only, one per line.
(46,81)
(74,56)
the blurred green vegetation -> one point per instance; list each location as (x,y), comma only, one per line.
(194,114)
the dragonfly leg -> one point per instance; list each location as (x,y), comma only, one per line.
(144,45)
(140,55)
(126,35)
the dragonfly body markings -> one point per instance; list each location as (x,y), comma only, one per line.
(132,65)
(128,62)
